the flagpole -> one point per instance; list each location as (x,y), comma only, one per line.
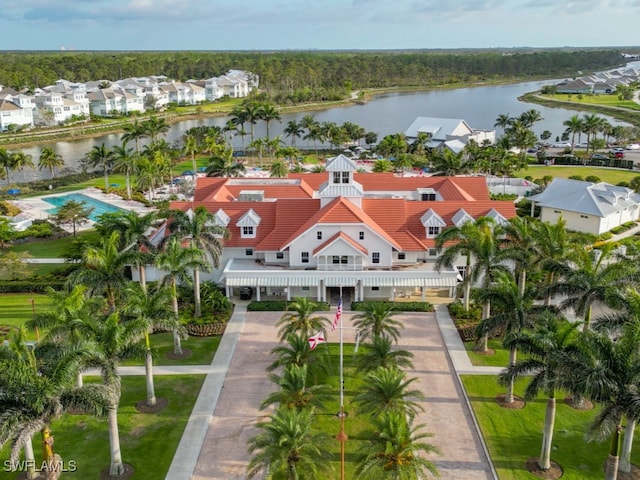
(342,436)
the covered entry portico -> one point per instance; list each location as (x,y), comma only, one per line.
(364,285)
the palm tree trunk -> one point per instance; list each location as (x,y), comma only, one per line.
(483,343)
(30,459)
(522,281)
(127,181)
(143,277)
(587,320)
(148,370)
(196,293)
(117,467)
(467,284)
(106,180)
(512,361)
(611,467)
(544,462)
(177,345)
(627,443)
(79,380)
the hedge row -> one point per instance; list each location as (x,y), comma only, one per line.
(396,306)
(279,306)
(26,286)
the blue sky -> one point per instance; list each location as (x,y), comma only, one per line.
(314,24)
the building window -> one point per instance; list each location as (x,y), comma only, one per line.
(433,231)
(462,270)
(345,177)
(305,289)
(557,211)
(336,177)
(319,235)
(401,256)
(428,197)
(335,259)
(375,257)
(375,289)
(433,252)
(304,257)
(584,216)
(279,255)
(248,252)
(361,235)
(344,259)
(247,231)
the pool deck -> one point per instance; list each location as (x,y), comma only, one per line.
(36,207)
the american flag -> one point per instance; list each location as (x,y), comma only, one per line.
(336,320)
(314,340)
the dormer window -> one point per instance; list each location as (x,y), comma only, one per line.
(433,232)
(248,224)
(340,177)
(248,232)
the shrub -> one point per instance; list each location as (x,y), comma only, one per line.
(396,306)
(39,229)
(29,286)
(280,306)
(460,316)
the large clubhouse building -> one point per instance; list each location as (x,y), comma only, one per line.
(370,234)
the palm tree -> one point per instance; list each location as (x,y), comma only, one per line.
(251,114)
(115,342)
(520,244)
(551,246)
(295,390)
(402,162)
(278,169)
(503,121)
(177,261)
(103,269)
(50,159)
(153,308)
(448,163)
(133,230)
(238,117)
(301,320)
(134,131)
(396,450)
(546,349)
(288,447)
(380,353)
(297,352)
(125,161)
(388,389)
(575,125)
(293,130)
(607,371)
(154,127)
(269,113)
(516,312)
(376,321)
(6,162)
(198,227)
(36,390)
(21,161)
(591,125)
(224,165)
(588,277)
(191,148)
(101,157)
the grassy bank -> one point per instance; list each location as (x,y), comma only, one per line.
(609,175)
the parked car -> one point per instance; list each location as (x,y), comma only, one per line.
(561,145)
(633,146)
(617,152)
(246,293)
(599,156)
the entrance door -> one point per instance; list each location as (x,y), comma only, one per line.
(333,295)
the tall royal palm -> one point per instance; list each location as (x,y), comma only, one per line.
(21,161)
(124,160)
(588,277)
(294,130)
(575,126)
(103,269)
(50,160)
(515,313)
(155,127)
(6,162)
(269,113)
(100,156)
(199,228)
(176,261)
(547,349)
(134,132)
(607,371)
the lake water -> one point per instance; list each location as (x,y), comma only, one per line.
(385,114)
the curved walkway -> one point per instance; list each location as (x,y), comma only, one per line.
(213,445)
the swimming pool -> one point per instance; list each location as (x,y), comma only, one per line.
(98,207)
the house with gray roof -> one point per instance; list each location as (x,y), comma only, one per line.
(587,207)
(451,133)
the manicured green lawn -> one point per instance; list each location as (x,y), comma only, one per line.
(513,436)
(16,308)
(202,350)
(148,441)
(499,359)
(604,100)
(608,175)
(52,248)
(94,182)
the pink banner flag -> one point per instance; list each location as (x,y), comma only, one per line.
(314,340)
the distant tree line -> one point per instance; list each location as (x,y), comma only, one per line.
(294,77)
